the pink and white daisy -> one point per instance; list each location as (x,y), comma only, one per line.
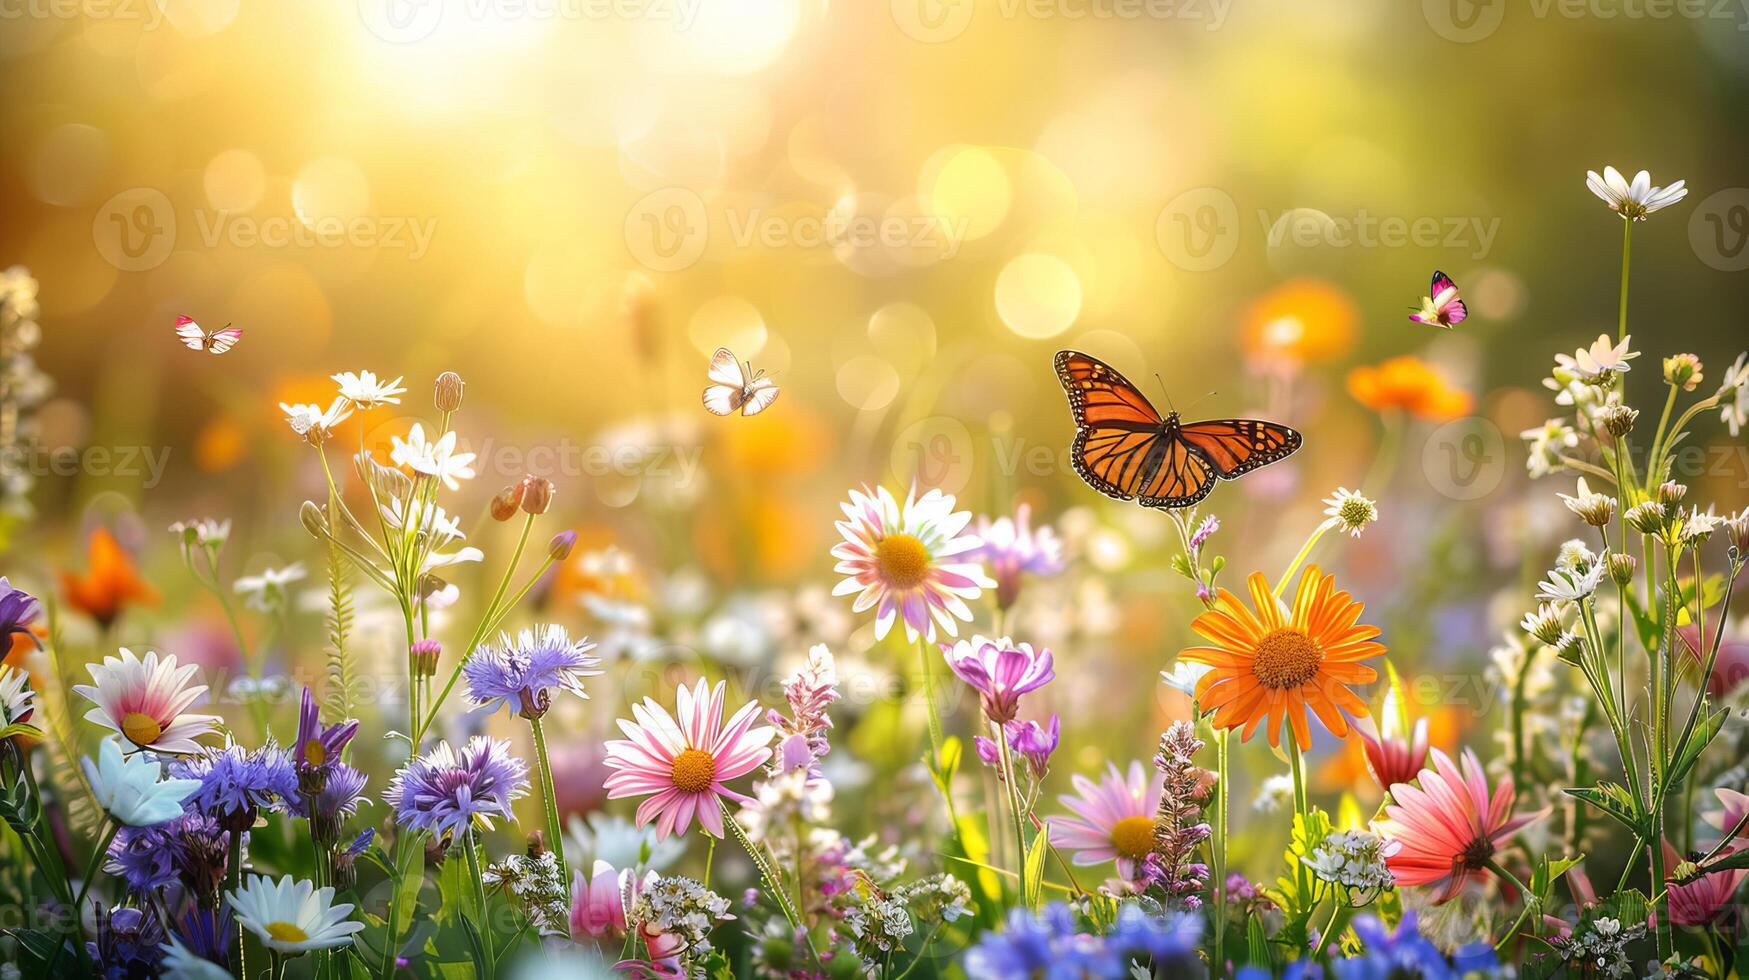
(1449,826)
(145,700)
(1114,818)
(682,761)
(898,561)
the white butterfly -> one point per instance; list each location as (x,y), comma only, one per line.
(195,338)
(734,389)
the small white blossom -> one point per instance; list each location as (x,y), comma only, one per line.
(1633,201)
(366,392)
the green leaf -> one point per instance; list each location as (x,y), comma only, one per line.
(1616,802)
(1257,944)
(1033,880)
(1689,752)
(477,947)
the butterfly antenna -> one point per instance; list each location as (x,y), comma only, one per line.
(1205,397)
(1166,394)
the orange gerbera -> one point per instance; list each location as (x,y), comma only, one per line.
(1279,662)
(1411,385)
(110,582)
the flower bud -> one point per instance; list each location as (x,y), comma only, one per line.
(1622,567)
(1645,517)
(1670,493)
(447,392)
(345,869)
(1618,418)
(1737,527)
(537,494)
(313,519)
(505,503)
(1682,371)
(425,654)
(559,548)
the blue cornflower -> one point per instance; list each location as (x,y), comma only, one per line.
(1166,942)
(236,784)
(445,791)
(129,944)
(317,748)
(1406,953)
(143,856)
(1045,945)
(516,673)
(328,808)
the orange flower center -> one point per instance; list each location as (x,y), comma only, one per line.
(1286,658)
(286,932)
(141,728)
(903,560)
(314,753)
(1133,837)
(694,771)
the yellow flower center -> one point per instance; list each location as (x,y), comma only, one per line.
(141,728)
(694,771)
(285,932)
(1286,658)
(314,753)
(1133,837)
(903,560)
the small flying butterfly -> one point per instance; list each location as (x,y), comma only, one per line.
(217,342)
(1441,306)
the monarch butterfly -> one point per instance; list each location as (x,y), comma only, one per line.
(1124,449)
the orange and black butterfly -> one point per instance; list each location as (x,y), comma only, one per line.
(1124,449)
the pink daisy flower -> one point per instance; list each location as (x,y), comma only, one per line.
(1393,759)
(599,902)
(1703,901)
(144,701)
(1729,819)
(681,761)
(899,561)
(1449,826)
(1114,818)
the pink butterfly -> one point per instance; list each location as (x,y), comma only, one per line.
(733,388)
(195,338)
(1441,308)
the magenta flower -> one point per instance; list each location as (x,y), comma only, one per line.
(1000,671)
(682,761)
(1114,818)
(599,902)
(1700,903)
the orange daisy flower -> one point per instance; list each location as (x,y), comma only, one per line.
(110,582)
(1411,385)
(1277,662)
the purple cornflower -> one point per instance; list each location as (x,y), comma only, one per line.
(236,784)
(517,672)
(128,943)
(205,933)
(444,791)
(328,808)
(1011,548)
(318,749)
(142,856)
(1000,671)
(18,609)
(1029,739)
(810,690)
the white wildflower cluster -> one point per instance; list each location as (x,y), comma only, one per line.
(937,897)
(1353,859)
(880,924)
(680,906)
(537,886)
(1601,948)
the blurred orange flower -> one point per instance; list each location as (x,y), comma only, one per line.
(1300,321)
(1411,385)
(110,582)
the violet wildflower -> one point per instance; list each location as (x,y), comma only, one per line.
(809,691)
(329,807)
(518,672)
(18,610)
(1011,547)
(1036,742)
(129,943)
(318,749)
(236,784)
(1178,828)
(1000,670)
(142,856)
(446,791)
(1204,532)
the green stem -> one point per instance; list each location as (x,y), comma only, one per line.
(772,884)
(926,665)
(1009,777)
(1627,237)
(555,839)
(1305,549)
(485,920)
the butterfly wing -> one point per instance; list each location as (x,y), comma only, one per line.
(723,399)
(1117,429)
(758,396)
(725,370)
(1451,310)
(190,333)
(1234,447)
(223,340)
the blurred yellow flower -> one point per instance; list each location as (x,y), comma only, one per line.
(1298,322)
(1411,385)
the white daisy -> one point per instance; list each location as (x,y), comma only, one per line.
(1183,676)
(366,392)
(144,701)
(907,562)
(292,917)
(312,422)
(1734,395)
(1571,584)
(267,591)
(1602,357)
(1546,444)
(203,531)
(1636,200)
(1350,511)
(17,700)
(129,788)
(435,459)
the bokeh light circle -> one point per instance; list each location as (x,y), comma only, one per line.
(1038,295)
